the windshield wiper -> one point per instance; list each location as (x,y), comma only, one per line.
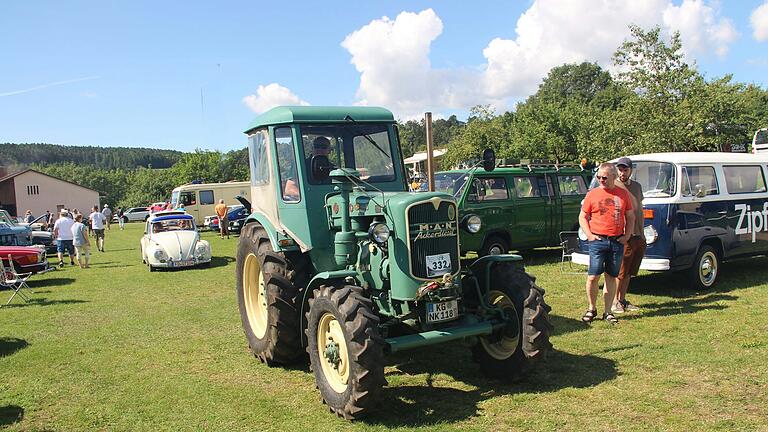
(370,140)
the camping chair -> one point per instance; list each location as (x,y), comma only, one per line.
(569,242)
(15,281)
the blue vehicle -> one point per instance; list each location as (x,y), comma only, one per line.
(699,209)
(12,234)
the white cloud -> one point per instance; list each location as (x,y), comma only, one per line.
(393,56)
(271,95)
(758,20)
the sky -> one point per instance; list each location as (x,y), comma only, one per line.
(189,75)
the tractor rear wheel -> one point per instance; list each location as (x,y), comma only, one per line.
(511,352)
(268,284)
(345,350)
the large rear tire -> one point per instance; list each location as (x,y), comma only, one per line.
(345,349)
(268,284)
(511,352)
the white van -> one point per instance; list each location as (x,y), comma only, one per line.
(699,209)
(200,199)
(760,141)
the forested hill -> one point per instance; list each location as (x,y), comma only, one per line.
(101,157)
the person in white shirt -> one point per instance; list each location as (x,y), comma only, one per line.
(62,230)
(81,242)
(97,223)
(107,215)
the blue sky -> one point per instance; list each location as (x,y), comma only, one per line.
(186,75)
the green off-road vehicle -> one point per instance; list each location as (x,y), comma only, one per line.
(339,261)
(519,206)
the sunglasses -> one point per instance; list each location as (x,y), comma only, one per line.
(602,177)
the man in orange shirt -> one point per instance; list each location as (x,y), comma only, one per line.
(606,218)
(221,212)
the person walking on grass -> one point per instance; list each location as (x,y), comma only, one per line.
(107,216)
(62,230)
(120,220)
(634,250)
(607,219)
(81,242)
(97,222)
(221,212)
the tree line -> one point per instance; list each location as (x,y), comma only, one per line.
(654,102)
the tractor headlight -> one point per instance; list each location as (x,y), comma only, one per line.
(650,234)
(379,233)
(471,223)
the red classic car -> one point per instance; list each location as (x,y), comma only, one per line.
(25,259)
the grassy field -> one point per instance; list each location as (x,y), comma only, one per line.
(117,348)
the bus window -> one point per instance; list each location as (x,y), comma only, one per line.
(206,197)
(188,198)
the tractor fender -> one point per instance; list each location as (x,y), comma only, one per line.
(483,266)
(268,227)
(319,279)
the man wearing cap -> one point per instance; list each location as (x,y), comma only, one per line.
(62,230)
(634,250)
(607,220)
(107,215)
(321,146)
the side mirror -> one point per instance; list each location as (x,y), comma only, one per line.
(489,159)
(321,167)
(701,192)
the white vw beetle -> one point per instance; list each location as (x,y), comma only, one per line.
(171,240)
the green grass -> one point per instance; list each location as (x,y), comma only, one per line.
(117,348)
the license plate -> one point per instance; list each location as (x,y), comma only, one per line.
(443,311)
(438,264)
(182,263)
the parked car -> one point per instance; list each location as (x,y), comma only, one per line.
(516,206)
(236,218)
(39,236)
(11,233)
(25,259)
(235,213)
(134,214)
(158,206)
(171,240)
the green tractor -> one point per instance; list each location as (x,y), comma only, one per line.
(338,260)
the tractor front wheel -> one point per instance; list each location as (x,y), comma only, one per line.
(345,350)
(510,352)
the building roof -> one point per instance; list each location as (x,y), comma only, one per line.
(320,114)
(422,156)
(16,174)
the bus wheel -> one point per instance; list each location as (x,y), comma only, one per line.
(495,245)
(703,273)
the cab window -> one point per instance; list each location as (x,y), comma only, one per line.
(700,181)
(744,179)
(259,157)
(188,198)
(571,185)
(286,165)
(527,187)
(489,189)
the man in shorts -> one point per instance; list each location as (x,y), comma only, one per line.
(98,219)
(221,212)
(62,230)
(606,218)
(634,250)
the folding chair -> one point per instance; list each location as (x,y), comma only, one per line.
(15,281)
(569,242)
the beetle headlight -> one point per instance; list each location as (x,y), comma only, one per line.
(472,223)
(159,254)
(201,249)
(379,233)
(650,234)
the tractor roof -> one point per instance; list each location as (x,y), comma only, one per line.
(320,114)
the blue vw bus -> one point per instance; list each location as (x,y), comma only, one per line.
(699,209)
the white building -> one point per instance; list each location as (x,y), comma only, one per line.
(38,192)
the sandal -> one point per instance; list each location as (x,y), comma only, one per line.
(610,318)
(589,316)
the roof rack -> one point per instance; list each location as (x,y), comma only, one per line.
(530,164)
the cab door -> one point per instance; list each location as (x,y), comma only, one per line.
(533,213)
(572,188)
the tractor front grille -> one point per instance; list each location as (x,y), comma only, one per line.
(432,231)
